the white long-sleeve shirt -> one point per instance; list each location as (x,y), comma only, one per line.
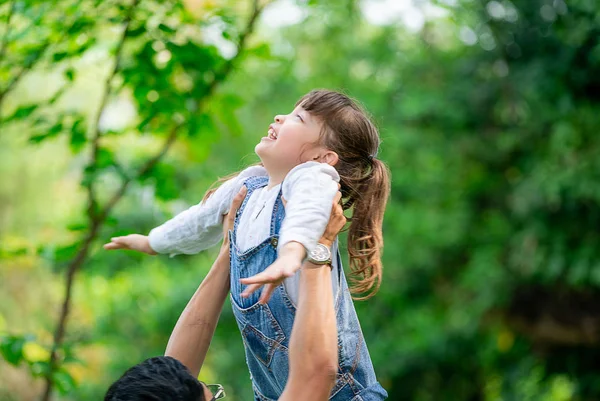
(309,190)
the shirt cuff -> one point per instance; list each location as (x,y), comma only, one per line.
(285,238)
(157,241)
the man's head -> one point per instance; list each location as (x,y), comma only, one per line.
(160,378)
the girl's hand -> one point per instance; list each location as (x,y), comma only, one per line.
(134,242)
(288,263)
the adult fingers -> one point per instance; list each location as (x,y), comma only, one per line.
(337,198)
(235,205)
(250,290)
(266,293)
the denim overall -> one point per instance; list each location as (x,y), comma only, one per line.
(266,329)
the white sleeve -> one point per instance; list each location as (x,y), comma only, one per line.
(309,190)
(199,227)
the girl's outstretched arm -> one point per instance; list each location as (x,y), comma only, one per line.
(134,242)
(193,230)
(195,328)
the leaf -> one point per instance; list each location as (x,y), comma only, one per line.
(167,187)
(64,381)
(262,51)
(34,352)
(77,226)
(89,174)
(22,112)
(52,132)
(165,28)
(201,125)
(59,56)
(79,26)
(61,254)
(105,158)
(11,348)
(78,138)
(132,33)
(70,74)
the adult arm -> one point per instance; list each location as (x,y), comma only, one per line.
(191,337)
(313,345)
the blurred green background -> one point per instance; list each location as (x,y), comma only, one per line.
(115,115)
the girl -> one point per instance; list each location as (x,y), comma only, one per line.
(327,138)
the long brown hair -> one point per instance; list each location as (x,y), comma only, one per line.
(365,181)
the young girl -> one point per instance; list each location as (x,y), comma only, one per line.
(325,140)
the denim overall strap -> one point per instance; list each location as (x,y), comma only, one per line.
(251,184)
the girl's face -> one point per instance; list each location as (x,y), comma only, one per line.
(292,139)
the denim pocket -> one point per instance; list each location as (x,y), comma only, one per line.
(261,332)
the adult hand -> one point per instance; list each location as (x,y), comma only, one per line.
(276,273)
(229,218)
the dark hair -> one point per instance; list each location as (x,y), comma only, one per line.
(364,179)
(156,379)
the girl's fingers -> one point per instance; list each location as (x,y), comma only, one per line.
(124,242)
(113,245)
(250,290)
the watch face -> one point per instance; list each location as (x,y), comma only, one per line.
(320,253)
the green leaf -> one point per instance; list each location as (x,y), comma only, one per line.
(167,187)
(77,227)
(262,51)
(22,112)
(70,74)
(61,254)
(52,132)
(105,158)
(64,381)
(78,138)
(132,33)
(165,28)
(11,348)
(59,56)
(89,174)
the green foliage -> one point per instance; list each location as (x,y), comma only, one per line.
(489,119)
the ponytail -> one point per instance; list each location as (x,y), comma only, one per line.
(368,195)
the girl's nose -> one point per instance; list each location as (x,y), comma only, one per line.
(279,119)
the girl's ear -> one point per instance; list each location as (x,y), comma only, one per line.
(330,157)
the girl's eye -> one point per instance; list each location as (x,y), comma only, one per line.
(300,117)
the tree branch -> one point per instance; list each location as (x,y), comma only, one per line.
(98,219)
(94,220)
(219,77)
(228,66)
(28,66)
(143,170)
(92,201)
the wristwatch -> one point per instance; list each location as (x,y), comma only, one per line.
(320,255)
